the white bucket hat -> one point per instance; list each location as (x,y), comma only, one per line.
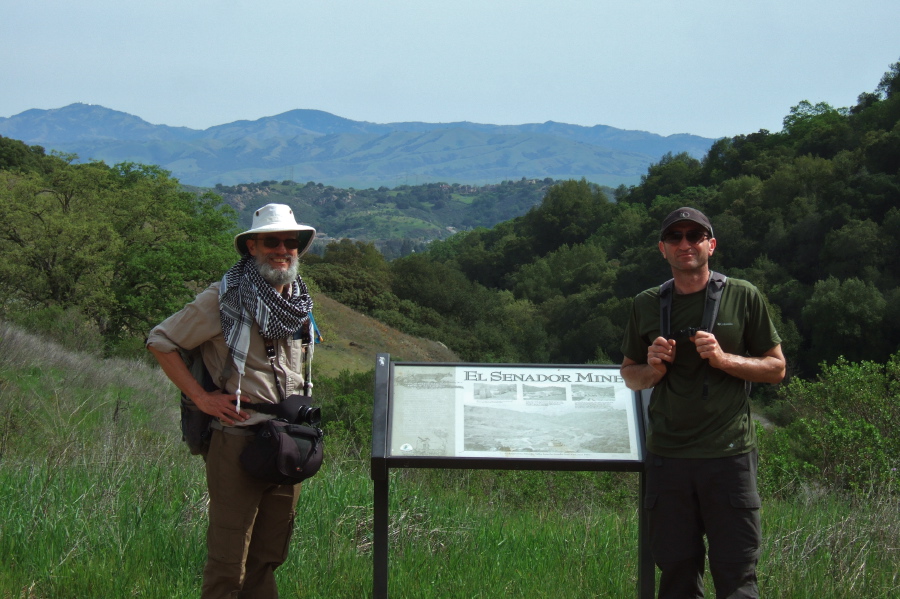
(275,218)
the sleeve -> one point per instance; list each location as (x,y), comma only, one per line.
(761,335)
(191,326)
(636,339)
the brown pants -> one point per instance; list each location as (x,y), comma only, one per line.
(250,525)
(717,498)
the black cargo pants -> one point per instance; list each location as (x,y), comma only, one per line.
(688,499)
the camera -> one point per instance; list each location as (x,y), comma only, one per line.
(311,415)
(294,410)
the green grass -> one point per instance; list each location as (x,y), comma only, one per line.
(101,527)
(827,547)
(98,499)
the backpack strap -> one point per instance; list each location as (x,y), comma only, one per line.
(309,335)
(714,288)
(665,308)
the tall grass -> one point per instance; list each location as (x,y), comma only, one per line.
(98,499)
(829,547)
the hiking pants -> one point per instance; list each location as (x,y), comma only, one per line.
(250,525)
(717,497)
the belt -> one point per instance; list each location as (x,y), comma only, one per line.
(243,431)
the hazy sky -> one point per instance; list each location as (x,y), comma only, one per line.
(708,67)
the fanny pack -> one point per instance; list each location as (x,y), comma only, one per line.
(289,448)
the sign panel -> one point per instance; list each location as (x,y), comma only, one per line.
(512,411)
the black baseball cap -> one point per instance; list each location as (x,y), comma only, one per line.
(689,214)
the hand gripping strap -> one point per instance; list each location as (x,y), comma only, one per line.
(714,288)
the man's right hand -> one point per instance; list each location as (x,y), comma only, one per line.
(217,404)
(221,406)
(660,353)
(639,375)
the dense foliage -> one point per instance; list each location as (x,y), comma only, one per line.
(120,247)
(839,431)
(811,215)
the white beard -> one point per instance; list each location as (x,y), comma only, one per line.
(276,276)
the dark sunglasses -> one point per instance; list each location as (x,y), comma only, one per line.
(693,237)
(273,242)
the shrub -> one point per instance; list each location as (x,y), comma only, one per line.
(346,402)
(845,431)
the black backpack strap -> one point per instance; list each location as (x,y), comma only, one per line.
(714,289)
(665,308)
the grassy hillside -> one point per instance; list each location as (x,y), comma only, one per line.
(352,340)
(100,500)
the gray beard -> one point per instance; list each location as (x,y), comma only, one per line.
(274,276)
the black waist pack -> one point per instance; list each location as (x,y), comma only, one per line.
(283,453)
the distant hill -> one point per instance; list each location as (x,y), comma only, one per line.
(399,220)
(312,145)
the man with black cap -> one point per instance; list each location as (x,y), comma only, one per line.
(701,442)
(257,310)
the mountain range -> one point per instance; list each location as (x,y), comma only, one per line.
(313,145)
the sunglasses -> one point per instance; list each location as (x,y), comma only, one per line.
(694,237)
(273,242)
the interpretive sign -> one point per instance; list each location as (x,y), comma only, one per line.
(527,412)
(502,416)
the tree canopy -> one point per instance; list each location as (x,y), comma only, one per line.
(123,245)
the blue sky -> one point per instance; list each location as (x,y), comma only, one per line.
(708,67)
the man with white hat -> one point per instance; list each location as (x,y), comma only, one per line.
(260,308)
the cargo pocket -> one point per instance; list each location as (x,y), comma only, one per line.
(287,541)
(745,501)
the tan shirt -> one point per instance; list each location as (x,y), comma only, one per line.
(198,325)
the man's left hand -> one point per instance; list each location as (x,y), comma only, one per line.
(767,368)
(709,349)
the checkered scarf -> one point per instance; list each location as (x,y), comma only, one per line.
(245,297)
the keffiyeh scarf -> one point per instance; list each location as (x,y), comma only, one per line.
(245,297)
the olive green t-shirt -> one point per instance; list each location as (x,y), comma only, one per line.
(683,423)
